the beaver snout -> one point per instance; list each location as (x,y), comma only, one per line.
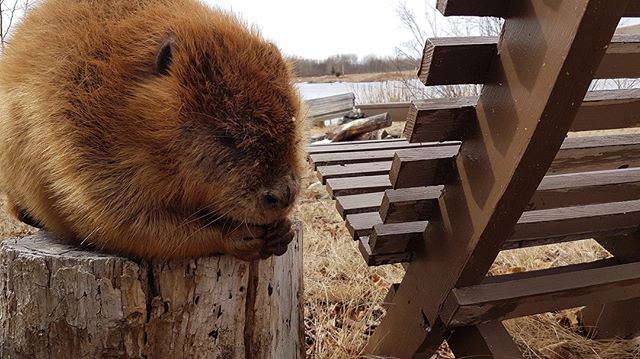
(278,197)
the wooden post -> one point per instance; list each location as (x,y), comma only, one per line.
(549,52)
(59,301)
(618,319)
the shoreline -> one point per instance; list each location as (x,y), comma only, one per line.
(368,77)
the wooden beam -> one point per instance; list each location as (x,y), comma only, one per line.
(615,319)
(353,170)
(409,204)
(359,203)
(425,167)
(381,259)
(500,8)
(483,341)
(452,119)
(351,146)
(499,301)
(466,60)
(548,55)
(357,185)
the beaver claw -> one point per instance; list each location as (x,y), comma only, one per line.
(262,242)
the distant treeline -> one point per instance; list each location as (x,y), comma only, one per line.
(339,65)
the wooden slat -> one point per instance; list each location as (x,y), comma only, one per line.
(396,238)
(453,118)
(357,185)
(577,154)
(490,340)
(361,224)
(353,170)
(381,259)
(466,60)
(343,158)
(500,8)
(547,55)
(498,301)
(329,107)
(311,147)
(409,204)
(359,203)
(351,147)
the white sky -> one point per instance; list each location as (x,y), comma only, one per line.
(318,29)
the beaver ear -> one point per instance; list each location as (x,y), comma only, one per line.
(165,56)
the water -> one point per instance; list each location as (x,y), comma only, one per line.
(365,92)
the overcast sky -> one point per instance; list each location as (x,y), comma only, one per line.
(318,29)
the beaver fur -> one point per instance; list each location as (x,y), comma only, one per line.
(152,128)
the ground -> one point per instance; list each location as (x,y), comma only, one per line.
(343,297)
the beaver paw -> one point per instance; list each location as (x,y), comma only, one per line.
(253,242)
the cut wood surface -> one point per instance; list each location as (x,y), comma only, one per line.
(58,301)
(452,119)
(515,298)
(359,127)
(466,60)
(500,8)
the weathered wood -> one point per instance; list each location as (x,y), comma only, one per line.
(311,148)
(325,159)
(488,340)
(353,170)
(381,259)
(515,298)
(353,146)
(466,60)
(396,238)
(330,107)
(397,110)
(358,203)
(453,118)
(59,301)
(616,319)
(357,185)
(426,167)
(500,8)
(359,127)
(548,53)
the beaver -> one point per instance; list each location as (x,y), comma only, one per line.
(150,128)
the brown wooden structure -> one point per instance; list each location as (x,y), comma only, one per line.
(479,175)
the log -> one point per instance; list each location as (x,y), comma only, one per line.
(61,301)
(359,127)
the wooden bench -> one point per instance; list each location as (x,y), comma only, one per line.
(478,175)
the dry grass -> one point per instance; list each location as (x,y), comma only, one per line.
(368,77)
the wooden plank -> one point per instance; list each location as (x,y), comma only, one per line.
(329,107)
(317,145)
(357,185)
(361,224)
(397,237)
(324,159)
(397,110)
(500,8)
(453,118)
(377,259)
(409,204)
(359,203)
(489,340)
(424,167)
(353,170)
(499,301)
(466,60)
(618,319)
(547,55)
(350,146)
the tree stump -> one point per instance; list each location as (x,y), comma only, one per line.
(61,301)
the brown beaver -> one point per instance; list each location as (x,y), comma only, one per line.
(153,128)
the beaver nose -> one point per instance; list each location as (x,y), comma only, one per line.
(277,199)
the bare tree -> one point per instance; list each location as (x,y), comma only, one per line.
(428,24)
(10,12)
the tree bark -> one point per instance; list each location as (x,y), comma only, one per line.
(61,301)
(359,127)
